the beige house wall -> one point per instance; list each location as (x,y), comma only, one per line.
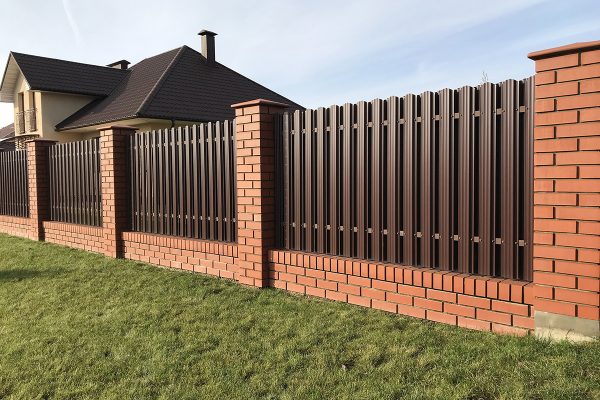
(54,108)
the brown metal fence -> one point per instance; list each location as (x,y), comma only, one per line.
(75,195)
(14,192)
(183,181)
(440,180)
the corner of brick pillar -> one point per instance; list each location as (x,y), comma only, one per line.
(567,192)
(39,185)
(114,181)
(255,160)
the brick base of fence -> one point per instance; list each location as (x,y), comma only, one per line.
(87,238)
(212,258)
(475,302)
(563,301)
(16,226)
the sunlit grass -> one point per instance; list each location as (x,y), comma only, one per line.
(79,325)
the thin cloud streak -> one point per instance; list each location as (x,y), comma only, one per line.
(72,23)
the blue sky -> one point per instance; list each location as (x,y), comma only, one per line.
(317,53)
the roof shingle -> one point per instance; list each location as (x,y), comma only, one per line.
(62,76)
(176,85)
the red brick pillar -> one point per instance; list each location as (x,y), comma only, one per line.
(567,191)
(39,185)
(115,188)
(255,139)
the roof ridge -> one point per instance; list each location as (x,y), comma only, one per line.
(160,81)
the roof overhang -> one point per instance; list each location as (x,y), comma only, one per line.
(9,81)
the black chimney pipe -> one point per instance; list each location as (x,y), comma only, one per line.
(208,45)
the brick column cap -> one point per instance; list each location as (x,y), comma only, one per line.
(117,127)
(566,49)
(260,102)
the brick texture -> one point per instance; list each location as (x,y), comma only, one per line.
(474,302)
(114,187)
(255,142)
(82,237)
(16,226)
(39,185)
(567,172)
(213,258)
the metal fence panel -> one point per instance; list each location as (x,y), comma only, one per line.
(439,180)
(14,188)
(183,181)
(75,195)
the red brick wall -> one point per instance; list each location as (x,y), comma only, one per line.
(114,186)
(39,185)
(213,258)
(16,226)
(255,158)
(82,237)
(482,303)
(567,184)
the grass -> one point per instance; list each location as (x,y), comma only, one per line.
(77,325)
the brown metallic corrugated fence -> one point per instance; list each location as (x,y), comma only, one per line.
(183,181)
(75,182)
(14,193)
(439,180)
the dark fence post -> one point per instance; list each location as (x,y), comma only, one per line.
(115,188)
(255,161)
(39,185)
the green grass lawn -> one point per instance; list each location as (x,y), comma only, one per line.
(78,325)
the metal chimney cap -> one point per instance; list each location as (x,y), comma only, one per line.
(121,64)
(204,32)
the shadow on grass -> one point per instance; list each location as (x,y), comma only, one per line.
(22,274)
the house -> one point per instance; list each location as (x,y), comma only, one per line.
(65,101)
(6,137)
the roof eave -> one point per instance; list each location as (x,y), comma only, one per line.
(59,128)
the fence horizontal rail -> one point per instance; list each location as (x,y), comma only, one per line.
(183,181)
(438,180)
(14,189)
(75,195)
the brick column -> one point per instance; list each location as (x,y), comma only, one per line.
(114,187)
(255,140)
(39,185)
(567,191)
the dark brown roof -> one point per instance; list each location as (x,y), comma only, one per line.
(62,76)
(7,132)
(176,85)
